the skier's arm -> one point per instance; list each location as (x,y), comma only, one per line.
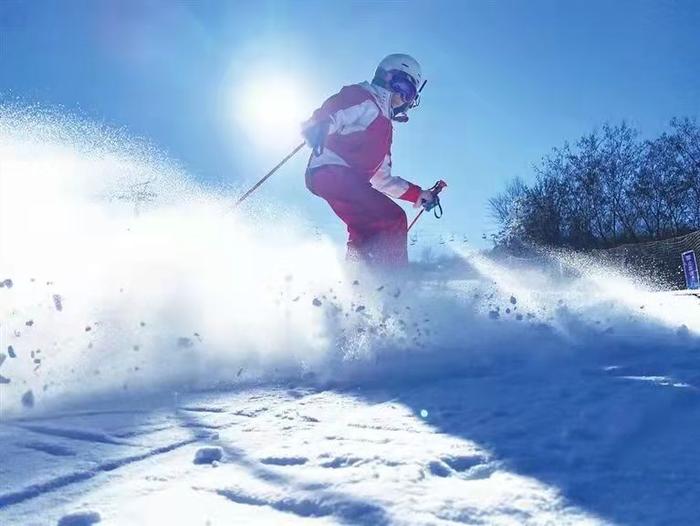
(394,186)
(348,108)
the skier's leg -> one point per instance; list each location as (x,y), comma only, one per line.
(376,225)
(376,228)
(386,237)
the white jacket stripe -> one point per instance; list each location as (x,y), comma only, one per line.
(354,119)
(386,183)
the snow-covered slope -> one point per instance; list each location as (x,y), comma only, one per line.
(165,361)
(514,443)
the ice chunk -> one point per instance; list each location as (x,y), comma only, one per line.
(207,455)
(80,518)
(184,342)
(58,302)
(28,399)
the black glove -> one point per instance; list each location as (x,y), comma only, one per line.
(426,199)
(315,136)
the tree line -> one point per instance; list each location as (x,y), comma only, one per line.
(608,188)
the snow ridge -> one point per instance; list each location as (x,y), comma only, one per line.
(36,490)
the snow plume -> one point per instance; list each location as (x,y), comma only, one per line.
(517,315)
(119,273)
(122,275)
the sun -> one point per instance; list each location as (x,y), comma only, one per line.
(270,109)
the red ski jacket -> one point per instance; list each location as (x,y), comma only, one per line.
(359,137)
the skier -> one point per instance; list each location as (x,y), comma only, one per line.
(350,164)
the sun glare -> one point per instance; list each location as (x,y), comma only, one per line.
(270,108)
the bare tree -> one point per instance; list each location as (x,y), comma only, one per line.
(502,205)
(608,188)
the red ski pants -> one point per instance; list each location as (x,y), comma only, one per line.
(376,224)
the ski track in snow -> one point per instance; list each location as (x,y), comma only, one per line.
(505,446)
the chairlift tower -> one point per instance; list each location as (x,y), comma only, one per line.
(139,194)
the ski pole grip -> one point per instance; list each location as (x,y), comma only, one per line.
(438,187)
(435,190)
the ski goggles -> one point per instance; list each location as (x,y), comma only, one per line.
(403,84)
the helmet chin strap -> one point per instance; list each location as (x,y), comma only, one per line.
(400,114)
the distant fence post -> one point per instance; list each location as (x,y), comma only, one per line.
(690,267)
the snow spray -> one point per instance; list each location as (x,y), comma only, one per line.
(121,275)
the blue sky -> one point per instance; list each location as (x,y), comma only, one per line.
(507,80)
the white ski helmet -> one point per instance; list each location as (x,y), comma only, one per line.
(401,62)
(406,80)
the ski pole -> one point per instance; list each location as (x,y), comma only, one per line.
(269,174)
(415,219)
(434,204)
